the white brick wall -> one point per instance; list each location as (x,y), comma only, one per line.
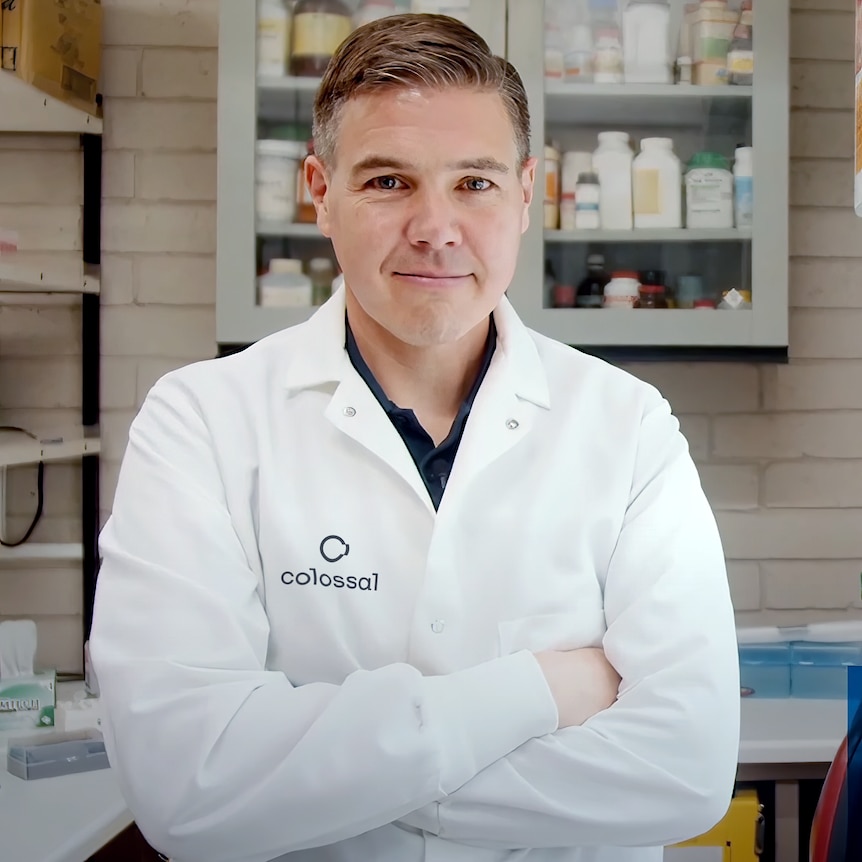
(780,448)
(158,274)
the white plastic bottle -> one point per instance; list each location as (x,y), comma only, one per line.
(273,37)
(612,161)
(657,185)
(573,165)
(646,52)
(285,285)
(743,186)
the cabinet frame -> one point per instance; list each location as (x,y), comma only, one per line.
(514,29)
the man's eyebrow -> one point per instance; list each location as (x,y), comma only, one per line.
(482,164)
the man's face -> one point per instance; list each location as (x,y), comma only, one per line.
(425,205)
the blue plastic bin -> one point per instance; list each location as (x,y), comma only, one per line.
(819,670)
(764,670)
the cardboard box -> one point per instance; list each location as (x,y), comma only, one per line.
(55,45)
(28,702)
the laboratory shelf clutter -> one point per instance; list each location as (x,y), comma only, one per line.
(27,272)
(651,236)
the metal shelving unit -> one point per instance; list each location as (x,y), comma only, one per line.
(26,110)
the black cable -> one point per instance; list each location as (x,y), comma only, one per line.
(40,492)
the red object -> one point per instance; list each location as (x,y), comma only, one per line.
(704,303)
(823,834)
(625,273)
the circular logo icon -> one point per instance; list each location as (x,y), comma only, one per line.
(333,548)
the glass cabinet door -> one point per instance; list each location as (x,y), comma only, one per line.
(274,266)
(648,117)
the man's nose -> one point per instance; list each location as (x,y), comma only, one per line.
(434,220)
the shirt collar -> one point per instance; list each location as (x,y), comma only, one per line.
(318,356)
(388,405)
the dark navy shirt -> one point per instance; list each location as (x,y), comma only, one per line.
(433,462)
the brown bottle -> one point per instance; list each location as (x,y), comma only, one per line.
(319,27)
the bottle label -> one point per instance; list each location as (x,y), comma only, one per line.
(744,201)
(551,183)
(619,301)
(318,34)
(646,191)
(740,62)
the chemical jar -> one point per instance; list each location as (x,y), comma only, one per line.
(657,185)
(273,37)
(709,192)
(622,291)
(319,27)
(285,285)
(735,300)
(552,188)
(612,161)
(646,30)
(652,296)
(587,202)
(275,178)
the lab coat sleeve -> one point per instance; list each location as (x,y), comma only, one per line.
(659,765)
(221,759)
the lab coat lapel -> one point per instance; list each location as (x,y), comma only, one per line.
(357,413)
(321,360)
(512,396)
(514,392)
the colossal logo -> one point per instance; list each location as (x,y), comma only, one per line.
(313,578)
(332,549)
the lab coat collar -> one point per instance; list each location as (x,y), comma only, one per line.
(321,357)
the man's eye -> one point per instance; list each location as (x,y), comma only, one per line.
(386,184)
(477,184)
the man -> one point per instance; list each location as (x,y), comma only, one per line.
(410,581)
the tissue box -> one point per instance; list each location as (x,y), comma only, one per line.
(27,702)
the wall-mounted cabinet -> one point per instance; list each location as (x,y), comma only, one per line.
(572,101)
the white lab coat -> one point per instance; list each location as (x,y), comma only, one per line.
(392,711)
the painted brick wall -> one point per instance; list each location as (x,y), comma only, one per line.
(780,448)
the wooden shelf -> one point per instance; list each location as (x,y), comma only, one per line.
(18,448)
(29,110)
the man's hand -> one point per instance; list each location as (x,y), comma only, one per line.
(582,681)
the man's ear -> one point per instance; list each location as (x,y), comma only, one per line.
(318,183)
(528,184)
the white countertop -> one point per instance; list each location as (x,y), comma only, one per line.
(67,819)
(791,731)
(64,819)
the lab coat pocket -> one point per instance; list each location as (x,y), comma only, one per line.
(541,632)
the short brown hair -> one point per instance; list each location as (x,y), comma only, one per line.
(415,50)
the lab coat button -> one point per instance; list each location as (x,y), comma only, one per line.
(437,626)
(512,424)
(349,411)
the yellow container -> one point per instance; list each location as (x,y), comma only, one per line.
(739,834)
